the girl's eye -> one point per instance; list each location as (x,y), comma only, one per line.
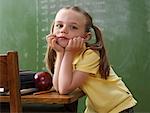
(59,25)
(73,27)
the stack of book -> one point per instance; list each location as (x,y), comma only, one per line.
(27,83)
(27,79)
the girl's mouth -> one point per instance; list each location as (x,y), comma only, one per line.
(63,38)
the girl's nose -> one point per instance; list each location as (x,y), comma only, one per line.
(64,30)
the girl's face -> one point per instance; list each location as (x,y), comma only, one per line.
(68,24)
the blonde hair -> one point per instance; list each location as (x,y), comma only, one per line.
(98,45)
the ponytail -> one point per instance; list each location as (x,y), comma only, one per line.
(50,55)
(50,60)
(99,45)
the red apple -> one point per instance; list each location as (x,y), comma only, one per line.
(43,81)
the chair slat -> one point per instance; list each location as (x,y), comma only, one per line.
(3,72)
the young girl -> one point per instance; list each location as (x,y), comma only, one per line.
(75,63)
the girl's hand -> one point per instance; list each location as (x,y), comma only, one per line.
(52,42)
(74,45)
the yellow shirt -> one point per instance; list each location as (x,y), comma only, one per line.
(103,96)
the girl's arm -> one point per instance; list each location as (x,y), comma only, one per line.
(58,61)
(51,40)
(68,79)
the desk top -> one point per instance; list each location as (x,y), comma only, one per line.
(49,98)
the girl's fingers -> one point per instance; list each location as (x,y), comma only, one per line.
(79,42)
(70,43)
(55,46)
(75,43)
(53,42)
(49,38)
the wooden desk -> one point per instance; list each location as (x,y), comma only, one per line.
(69,101)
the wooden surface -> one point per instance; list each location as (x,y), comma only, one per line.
(69,101)
(49,98)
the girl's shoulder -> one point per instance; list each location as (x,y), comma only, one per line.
(88,55)
(90,52)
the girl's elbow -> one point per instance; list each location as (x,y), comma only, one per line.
(63,91)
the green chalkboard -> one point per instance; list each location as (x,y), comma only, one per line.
(125,25)
(18,30)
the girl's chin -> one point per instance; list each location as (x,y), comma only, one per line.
(62,43)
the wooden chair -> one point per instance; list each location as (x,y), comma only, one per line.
(10,81)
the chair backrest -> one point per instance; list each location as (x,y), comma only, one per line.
(10,80)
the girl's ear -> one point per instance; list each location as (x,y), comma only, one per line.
(88,36)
